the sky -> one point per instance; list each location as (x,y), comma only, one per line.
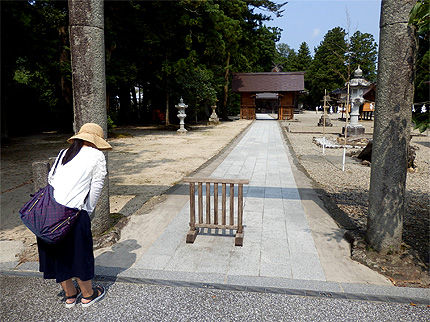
(309,20)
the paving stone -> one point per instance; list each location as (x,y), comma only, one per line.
(301,242)
(275,226)
(275,269)
(154,262)
(306,266)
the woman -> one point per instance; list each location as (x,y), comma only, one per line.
(77,181)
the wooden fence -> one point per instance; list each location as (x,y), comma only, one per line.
(214,223)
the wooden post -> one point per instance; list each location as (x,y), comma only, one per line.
(346,126)
(240,208)
(192,206)
(224,206)
(192,234)
(324,116)
(216,203)
(231,204)
(200,204)
(238,240)
(208,203)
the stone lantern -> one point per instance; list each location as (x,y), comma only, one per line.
(181,115)
(214,117)
(357,87)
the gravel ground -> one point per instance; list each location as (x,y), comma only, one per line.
(349,189)
(33,299)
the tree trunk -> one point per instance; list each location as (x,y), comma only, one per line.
(226,83)
(107,102)
(394,97)
(65,86)
(167,109)
(135,107)
(124,103)
(89,82)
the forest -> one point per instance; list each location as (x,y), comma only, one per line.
(159,51)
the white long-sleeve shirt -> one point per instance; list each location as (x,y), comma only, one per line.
(72,181)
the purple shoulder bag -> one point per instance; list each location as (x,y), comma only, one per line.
(45,217)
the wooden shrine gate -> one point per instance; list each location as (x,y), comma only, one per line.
(286,86)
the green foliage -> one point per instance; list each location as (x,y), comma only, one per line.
(167,49)
(180,48)
(35,68)
(363,52)
(304,58)
(422,77)
(197,85)
(420,18)
(110,124)
(335,58)
(292,61)
(37,79)
(286,57)
(328,69)
(421,120)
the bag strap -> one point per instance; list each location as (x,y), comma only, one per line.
(58,160)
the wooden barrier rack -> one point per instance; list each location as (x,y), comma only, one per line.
(214,224)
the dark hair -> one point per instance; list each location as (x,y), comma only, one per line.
(72,151)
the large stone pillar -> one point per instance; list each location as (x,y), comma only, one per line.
(394,97)
(87,49)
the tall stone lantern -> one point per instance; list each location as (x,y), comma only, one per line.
(214,117)
(357,87)
(181,115)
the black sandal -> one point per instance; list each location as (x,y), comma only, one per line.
(95,297)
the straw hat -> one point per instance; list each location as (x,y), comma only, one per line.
(92,133)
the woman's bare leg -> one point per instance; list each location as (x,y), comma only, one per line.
(86,288)
(69,288)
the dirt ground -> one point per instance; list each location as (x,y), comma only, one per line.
(145,162)
(345,194)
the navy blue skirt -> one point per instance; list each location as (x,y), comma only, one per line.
(71,257)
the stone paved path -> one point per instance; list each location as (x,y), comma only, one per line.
(278,256)
(277,241)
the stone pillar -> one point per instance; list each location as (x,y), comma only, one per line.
(88,81)
(394,97)
(40,174)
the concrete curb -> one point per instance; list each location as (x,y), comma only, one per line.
(322,289)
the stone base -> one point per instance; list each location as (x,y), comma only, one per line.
(213,121)
(182,131)
(354,130)
(327,121)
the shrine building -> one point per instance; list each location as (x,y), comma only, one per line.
(273,93)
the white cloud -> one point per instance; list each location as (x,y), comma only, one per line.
(316,32)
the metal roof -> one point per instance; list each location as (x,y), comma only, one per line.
(268,82)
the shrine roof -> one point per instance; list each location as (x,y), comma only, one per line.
(268,82)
